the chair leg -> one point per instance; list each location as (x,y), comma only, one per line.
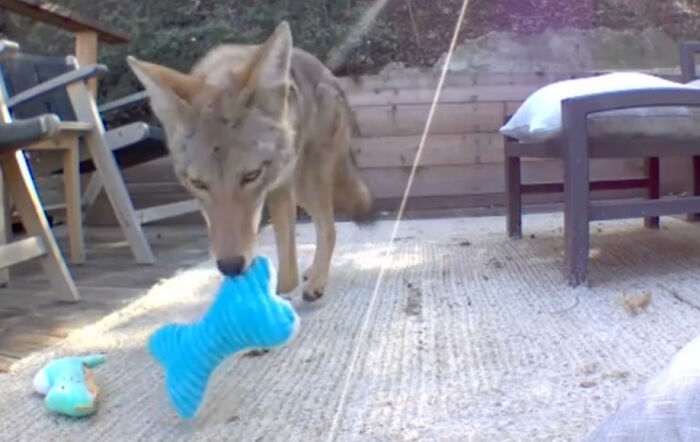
(576,218)
(653,188)
(696,186)
(513,197)
(86,110)
(74,217)
(21,187)
(92,192)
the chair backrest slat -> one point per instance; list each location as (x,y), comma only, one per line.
(24,71)
(20,72)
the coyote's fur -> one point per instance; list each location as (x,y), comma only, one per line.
(261,124)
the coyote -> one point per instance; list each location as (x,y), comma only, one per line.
(261,124)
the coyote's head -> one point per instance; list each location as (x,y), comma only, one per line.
(231,137)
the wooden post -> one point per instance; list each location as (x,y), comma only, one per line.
(576,193)
(694,217)
(5,198)
(5,224)
(514,197)
(652,166)
(86,53)
(74,215)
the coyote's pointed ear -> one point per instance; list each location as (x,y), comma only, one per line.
(271,65)
(170,92)
(267,76)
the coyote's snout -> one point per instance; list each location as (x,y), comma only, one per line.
(254,125)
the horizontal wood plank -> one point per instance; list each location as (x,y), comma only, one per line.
(157,170)
(449,118)
(485,203)
(635,183)
(429,80)
(466,94)
(484,178)
(450,149)
(156,187)
(607,210)
(442,179)
(21,250)
(163,211)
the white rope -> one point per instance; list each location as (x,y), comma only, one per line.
(370,308)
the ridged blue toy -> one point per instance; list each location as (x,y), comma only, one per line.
(246,314)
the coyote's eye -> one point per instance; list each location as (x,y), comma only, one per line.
(199,184)
(251,176)
(233,123)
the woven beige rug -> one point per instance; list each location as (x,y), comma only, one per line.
(474,337)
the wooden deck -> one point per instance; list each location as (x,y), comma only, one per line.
(32,319)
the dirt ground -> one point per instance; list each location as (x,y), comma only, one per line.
(424,27)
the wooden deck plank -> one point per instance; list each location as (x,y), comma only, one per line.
(31,320)
(6,362)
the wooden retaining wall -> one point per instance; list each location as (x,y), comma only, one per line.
(462,164)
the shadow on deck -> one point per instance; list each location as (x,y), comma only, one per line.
(32,319)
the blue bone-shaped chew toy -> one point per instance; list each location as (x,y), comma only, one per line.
(246,314)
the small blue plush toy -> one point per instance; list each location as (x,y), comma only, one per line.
(246,314)
(69,385)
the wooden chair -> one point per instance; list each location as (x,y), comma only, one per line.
(26,78)
(689,73)
(575,148)
(67,144)
(18,182)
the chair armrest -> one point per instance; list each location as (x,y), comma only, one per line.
(574,111)
(608,101)
(8,48)
(59,82)
(121,103)
(19,133)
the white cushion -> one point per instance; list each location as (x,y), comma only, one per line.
(694,83)
(539,117)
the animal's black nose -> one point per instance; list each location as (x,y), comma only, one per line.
(231,266)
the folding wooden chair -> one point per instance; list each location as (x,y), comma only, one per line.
(18,183)
(38,84)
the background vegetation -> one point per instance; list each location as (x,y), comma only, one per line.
(413,32)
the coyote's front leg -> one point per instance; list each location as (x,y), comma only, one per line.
(320,208)
(282,207)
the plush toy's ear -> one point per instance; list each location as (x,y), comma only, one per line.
(42,385)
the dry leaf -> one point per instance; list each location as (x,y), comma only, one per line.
(636,303)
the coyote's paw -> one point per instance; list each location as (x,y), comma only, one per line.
(314,288)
